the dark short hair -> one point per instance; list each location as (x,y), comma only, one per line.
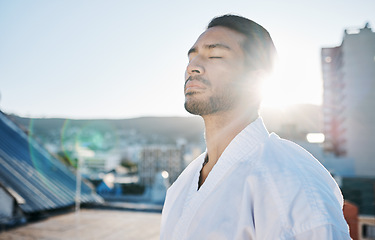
(258,45)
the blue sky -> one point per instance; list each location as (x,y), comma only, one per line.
(120,59)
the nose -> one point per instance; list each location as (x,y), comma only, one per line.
(195,67)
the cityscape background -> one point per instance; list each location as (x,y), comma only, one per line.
(92,105)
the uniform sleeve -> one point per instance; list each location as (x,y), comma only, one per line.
(326,232)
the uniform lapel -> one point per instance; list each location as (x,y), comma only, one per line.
(242,145)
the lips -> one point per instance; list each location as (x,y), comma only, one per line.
(194,86)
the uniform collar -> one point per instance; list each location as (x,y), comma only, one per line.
(249,139)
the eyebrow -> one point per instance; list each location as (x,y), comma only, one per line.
(210,46)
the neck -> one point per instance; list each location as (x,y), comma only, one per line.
(221,128)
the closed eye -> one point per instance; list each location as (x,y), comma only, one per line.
(215,57)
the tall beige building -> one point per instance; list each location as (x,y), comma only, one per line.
(349,99)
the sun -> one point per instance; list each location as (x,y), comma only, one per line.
(277,92)
(291,83)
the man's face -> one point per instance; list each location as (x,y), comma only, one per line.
(215,75)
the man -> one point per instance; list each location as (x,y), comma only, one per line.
(249,184)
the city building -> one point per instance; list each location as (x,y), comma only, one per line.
(155,159)
(349,99)
(360,215)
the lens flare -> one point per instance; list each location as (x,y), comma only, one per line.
(91,137)
(39,157)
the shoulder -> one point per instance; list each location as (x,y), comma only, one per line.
(288,158)
(293,166)
(306,194)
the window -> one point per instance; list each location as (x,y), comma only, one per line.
(368,231)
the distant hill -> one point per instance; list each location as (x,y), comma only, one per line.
(303,118)
(170,128)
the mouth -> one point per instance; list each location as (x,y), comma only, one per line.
(193,88)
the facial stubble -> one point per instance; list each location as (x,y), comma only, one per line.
(220,101)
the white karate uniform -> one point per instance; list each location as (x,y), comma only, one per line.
(262,187)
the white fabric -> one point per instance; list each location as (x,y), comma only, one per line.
(262,187)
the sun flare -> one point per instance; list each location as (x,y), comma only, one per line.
(291,84)
(277,92)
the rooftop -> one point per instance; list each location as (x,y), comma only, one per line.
(91,224)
